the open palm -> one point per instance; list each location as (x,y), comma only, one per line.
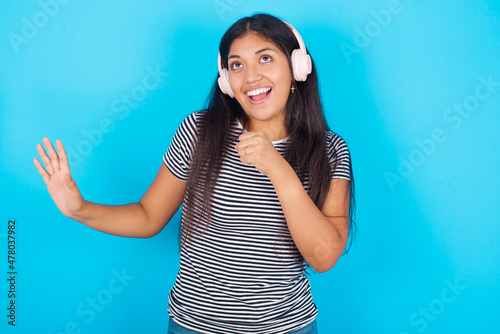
(61,186)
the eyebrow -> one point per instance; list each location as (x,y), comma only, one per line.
(256,52)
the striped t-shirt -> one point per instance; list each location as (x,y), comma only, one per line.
(241,275)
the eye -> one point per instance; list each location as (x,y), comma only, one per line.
(235,65)
(266,59)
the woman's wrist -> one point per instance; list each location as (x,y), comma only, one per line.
(82,213)
(283,176)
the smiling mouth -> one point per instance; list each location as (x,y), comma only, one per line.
(259,94)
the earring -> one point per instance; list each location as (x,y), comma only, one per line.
(293,89)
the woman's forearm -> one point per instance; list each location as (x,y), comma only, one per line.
(128,220)
(316,237)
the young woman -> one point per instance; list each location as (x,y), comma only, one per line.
(267,188)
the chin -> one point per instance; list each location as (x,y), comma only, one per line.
(264,115)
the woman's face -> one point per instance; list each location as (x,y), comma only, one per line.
(261,79)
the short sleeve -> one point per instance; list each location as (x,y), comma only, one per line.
(339,157)
(178,157)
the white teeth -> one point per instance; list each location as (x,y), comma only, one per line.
(258,91)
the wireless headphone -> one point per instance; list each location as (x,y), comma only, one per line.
(301,65)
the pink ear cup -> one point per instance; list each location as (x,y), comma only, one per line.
(301,65)
(301,61)
(223,81)
(224,84)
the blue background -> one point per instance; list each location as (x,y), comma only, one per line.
(426,258)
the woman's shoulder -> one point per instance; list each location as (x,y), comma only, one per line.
(192,121)
(335,141)
(195,116)
(338,155)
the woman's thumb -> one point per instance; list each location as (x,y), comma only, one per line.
(69,181)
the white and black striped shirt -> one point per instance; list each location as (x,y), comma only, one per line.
(241,275)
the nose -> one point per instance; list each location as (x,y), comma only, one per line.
(252,74)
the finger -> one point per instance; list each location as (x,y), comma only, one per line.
(41,170)
(251,134)
(52,153)
(257,138)
(240,148)
(247,159)
(63,158)
(248,141)
(244,150)
(247,135)
(46,160)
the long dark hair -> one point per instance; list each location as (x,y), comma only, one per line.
(304,121)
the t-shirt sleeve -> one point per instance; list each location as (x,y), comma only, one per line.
(178,157)
(339,157)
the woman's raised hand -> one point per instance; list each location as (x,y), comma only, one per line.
(61,186)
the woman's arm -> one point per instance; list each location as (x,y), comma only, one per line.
(320,235)
(141,220)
